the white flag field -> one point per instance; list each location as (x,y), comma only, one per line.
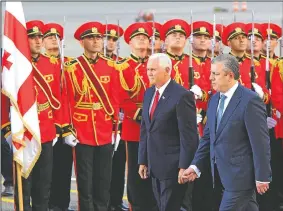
(18,85)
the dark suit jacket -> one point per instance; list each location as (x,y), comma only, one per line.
(240,146)
(170,140)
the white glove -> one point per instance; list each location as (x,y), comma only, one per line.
(54,141)
(197,91)
(271,122)
(199,118)
(278,114)
(258,90)
(71,140)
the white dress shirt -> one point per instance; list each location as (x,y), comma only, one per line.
(160,90)
(229,95)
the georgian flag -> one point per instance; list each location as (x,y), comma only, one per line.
(18,85)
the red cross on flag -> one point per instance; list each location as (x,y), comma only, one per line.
(18,86)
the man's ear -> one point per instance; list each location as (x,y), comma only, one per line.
(167,69)
(229,43)
(82,43)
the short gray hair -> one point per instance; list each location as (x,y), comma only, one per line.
(230,64)
(163,60)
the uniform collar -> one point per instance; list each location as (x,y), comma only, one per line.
(48,55)
(201,59)
(35,59)
(240,59)
(90,60)
(176,57)
(138,59)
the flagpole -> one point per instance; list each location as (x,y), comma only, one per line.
(20,186)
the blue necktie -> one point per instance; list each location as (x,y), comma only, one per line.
(220,110)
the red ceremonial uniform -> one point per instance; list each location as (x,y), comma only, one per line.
(230,32)
(64,126)
(47,86)
(277,95)
(134,82)
(93,89)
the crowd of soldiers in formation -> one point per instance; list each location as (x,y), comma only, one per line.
(96,99)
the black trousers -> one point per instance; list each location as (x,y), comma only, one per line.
(93,176)
(168,193)
(37,185)
(203,191)
(61,175)
(118,175)
(6,162)
(139,191)
(271,200)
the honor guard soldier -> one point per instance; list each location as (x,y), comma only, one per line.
(134,82)
(277,125)
(218,48)
(235,37)
(275,32)
(258,43)
(158,42)
(175,32)
(202,33)
(62,153)
(48,96)
(112,33)
(93,87)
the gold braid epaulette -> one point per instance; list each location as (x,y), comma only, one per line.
(70,67)
(123,65)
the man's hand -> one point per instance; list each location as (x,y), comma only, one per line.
(258,90)
(271,123)
(262,187)
(143,172)
(197,91)
(189,175)
(180,178)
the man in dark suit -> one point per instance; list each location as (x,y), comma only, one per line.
(169,135)
(236,138)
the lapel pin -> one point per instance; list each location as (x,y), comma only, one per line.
(163,97)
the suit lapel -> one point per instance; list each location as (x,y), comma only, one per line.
(147,103)
(162,101)
(229,110)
